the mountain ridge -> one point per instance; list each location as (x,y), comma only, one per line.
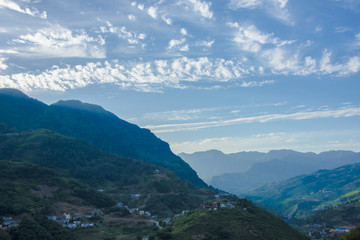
(304,195)
(97,126)
(74,158)
(280,165)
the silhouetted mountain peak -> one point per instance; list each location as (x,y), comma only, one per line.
(97,126)
(13,92)
(76,104)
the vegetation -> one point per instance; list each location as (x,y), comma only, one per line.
(302,196)
(244,221)
(344,215)
(94,125)
(39,228)
(84,169)
(28,188)
(354,234)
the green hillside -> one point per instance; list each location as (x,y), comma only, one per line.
(96,126)
(160,190)
(29,188)
(302,196)
(347,214)
(243,221)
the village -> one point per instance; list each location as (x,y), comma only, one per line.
(324,232)
(91,217)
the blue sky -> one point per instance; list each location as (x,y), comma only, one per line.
(233,75)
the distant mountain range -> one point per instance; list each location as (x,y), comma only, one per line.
(214,162)
(95,125)
(302,196)
(244,171)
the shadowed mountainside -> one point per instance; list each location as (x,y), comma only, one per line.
(94,125)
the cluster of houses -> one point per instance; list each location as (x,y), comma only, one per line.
(8,222)
(136,210)
(67,220)
(321,231)
(215,205)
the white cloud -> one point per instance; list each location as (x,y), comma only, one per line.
(167,20)
(351,66)
(318,28)
(288,62)
(131,37)
(183,31)
(178,115)
(148,76)
(183,72)
(184,48)
(3,65)
(236,4)
(15,7)
(251,39)
(282,61)
(338,113)
(316,141)
(342,29)
(131,17)
(256,84)
(141,7)
(58,41)
(275,8)
(8,51)
(201,7)
(152,11)
(173,43)
(207,44)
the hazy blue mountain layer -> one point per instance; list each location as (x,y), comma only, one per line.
(281,165)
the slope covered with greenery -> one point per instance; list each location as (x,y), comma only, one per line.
(118,177)
(244,221)
(354,234)
(347,214)
(29,188)
(94,125)
(302,196)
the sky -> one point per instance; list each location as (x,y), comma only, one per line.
(232,75)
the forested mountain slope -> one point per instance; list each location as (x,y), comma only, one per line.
(94,125)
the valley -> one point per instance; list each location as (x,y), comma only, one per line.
(58,179)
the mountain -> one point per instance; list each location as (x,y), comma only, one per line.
(281,165)
(302,196)
(95,125)
(213,162)
(43,173)
(243,221)
(347,214)
(117,176)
